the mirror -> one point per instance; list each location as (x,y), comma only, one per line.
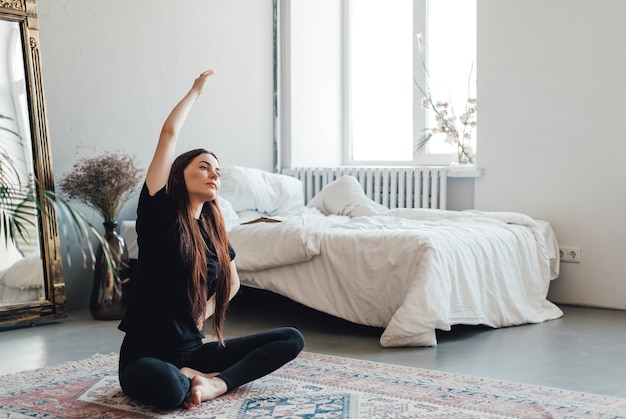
(31,281)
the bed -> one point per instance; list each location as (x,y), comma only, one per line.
(409,271)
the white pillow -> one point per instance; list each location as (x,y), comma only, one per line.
(9,253)
(26,273)
(345,196)
(257,190)
(228,212)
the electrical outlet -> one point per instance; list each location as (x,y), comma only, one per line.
(569,254)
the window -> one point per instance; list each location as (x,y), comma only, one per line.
(391,46)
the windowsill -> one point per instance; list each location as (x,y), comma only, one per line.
(470,171)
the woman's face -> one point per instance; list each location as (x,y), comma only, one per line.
(202,178)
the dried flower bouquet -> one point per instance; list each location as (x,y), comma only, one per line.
(103,182)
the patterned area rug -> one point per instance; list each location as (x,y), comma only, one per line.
(312,386)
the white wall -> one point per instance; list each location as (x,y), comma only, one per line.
(113,70)
(552,96)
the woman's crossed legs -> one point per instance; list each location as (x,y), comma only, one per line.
(210,370)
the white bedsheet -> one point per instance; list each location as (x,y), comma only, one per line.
(408,271)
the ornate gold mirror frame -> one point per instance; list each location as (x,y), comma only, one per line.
(51,304)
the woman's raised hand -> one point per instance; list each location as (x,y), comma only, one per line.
(200,82)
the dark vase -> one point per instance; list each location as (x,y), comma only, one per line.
(109,292)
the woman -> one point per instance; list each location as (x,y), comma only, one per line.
(186,274)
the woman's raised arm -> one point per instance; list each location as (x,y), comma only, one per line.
(159,168)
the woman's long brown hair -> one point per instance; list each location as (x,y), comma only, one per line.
(193,247)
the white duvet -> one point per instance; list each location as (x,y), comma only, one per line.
(409,271)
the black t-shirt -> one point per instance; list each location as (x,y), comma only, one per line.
(158,308)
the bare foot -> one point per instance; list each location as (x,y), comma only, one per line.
(190,373)
(204,389)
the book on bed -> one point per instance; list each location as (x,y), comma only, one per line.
(262,220)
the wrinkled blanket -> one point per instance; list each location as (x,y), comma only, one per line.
(409,271)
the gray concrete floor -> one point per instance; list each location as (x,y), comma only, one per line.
(583,351)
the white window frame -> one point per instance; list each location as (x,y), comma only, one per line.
(311,109)
(420,116)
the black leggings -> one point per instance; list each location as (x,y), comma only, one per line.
(153,376)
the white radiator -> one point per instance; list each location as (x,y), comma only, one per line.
(397,187)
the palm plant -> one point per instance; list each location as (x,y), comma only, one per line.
(20,204)
(13,213)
